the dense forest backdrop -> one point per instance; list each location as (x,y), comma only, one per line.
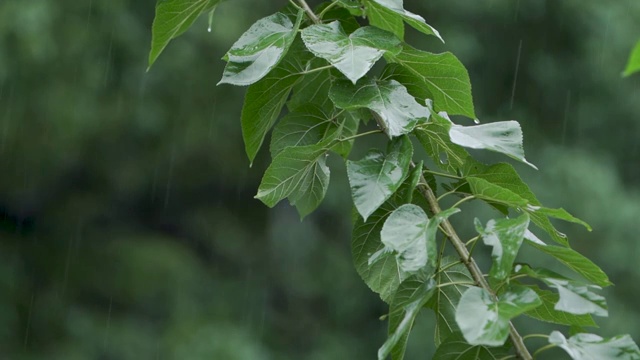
(128,228)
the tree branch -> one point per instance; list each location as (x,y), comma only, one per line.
(309,12)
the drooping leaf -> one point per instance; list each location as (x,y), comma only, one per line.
(353,6)
(444,76)
(410,298)
(259,49)
(456,348)
(593,347)
(445,299)
(504,137)
(410,236)
(633,65)
(388,9)
(575,298)
(483,189)
(505,236)
(173,18)
(384,19)
(547,313)
(485,321)
(307,126)
(298,173)
(381,276)
(377,176)
(414,85)
(505,177)
(353,55)
(264,100)
(397,109)
(414,179)
(576,262)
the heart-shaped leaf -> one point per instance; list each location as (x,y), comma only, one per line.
(505,236)
(485,321)
(593,347)
(456,348)
(504,137)
(377,176)
(398,110)
(259,49)
(546,311)
(355,54)
(390,9)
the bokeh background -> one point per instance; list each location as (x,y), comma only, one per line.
(128,228)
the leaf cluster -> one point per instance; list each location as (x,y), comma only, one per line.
(315,65)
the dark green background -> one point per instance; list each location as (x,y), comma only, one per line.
(128,228)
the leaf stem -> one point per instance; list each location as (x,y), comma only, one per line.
(324,11)
(316,69)
(544,348)
(470,197)
(468,283)
(472,240)
(361,135)
(530,336)
(448,266)
(309,12)
(443,174)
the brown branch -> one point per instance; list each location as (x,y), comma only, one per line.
(309,12)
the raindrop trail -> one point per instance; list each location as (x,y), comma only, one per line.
(167,192)
(567,106)
(515,77)
(106,333)
(28,327)
(515,16)
(107,66)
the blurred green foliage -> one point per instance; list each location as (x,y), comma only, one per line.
(128,228)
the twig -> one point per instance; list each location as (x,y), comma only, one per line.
(309,12)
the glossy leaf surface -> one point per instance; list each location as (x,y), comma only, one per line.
(485,321)
(444,76)
(505,236)
(504,137)
(353,55)
(456,348)
(547,312)
(576,262)
(395,8)
(259,49)
(406,305)
(593,347)
(397,109)
(173,18)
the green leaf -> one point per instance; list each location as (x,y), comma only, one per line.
(173,18)
(485,321)
(259,49)
(410,236)
(384,19)
(444,76)
(344,14)
(633,65)
(410,298)
(575,298)
(506,178)
(593,347)
(434,138)
(504,137)
(576,262)
(505,236)
(388,9)
(298,173)
(264,100)
(309,125)
(485,190)
(377,176)
(313,89)
(445,300)
(353,55)
(414,179)
(546,311)
(398,110)
(382,276)
(456,348)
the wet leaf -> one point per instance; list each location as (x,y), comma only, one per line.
(410,236)
(593,347)
(444,76)
(485,321)
(446,298)
(414,180)
(259,49)
(377,176)
(398,110)
(456,348)
(633,65)
(353,55)
(410,298)
(575,297)
(547,313)
(387,10)
(173,18)
(576,262)
(434,138)
(505,236)
(298,173)
(264,99)
(504,137)
(384,19)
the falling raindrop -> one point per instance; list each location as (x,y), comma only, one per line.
(210,19)
(515,77)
